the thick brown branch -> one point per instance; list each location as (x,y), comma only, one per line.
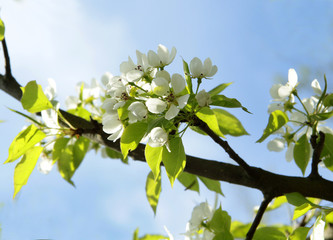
(317,149)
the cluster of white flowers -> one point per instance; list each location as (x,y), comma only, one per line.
(146,89)
(284,100)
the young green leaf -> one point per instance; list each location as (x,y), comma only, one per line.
(322,116)
(132,136)
(327,153)
(153,190)
(220,222)
(301,210)
(25,140)
(228,123)
(28,117)
(81,112)
(277,203)
(80,149)
(175,160)
(208,116)
(212,185)
(296,199)
(219,89)
(153,157)
(115,155)
(299,233)
(277,119)
(302,152)
(223,101)
(25,167)
(189,181)
(328,100)
(2,30)
(33,99)
(187,76)
(239,229)
(271,233)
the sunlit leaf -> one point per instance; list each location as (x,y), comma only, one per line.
(322,116)
(296,199)
(81,112)
(80,149)
(115,155)
(220,222)
(208,116)
(228,123)
(25,140)
(328,100)
(277,119)
(302,152)
(239,229)
(132,136)
(153,190)
(25,167)
(212,185)
(271,233)
(219,89)
(223,101)
(175,160)
(189,181)
(299,233)
(33,99)
(2,30)
(301,210)
(153,157)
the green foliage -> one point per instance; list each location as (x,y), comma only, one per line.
(174,160)
(278,202)
(328,100)
(153,190)
(81,112)
(212,185)
(132,136)
(220,224)
(299,233)
(189,181)
(302,152)
(219,88)
(223,101)
(228,123)
(271,233)
(25,140)
(153,157)
(239,229)
(2,30)
(327,153)
(301,210)
(148,236)
(187,77)
(33,98)
(25,167)
(277,119)
(208,116)
(115,155)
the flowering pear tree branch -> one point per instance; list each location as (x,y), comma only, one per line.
(318,148)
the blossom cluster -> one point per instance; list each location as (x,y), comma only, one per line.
(284,99)
(145,91)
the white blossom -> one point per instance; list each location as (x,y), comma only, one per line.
(316,87)
(46,164)
(203,98)
(162,57)
(137,112)
(160,86)
(156,105)
(199,70)
(285,90)
(157,137)
(112,125)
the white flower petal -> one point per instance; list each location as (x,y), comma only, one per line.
(134,75)
(276,145)
(212,72)
(153,59)
(285,91)
(172,112)
(207,66)
(172,54)
(182,100)
(290,152)
(178,83)
(160,86)
(196,67)
(292,77)
(156,105)
(316,87)
(163,54)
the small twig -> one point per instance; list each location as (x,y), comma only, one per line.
(8,70)
(317,149)
(225,145)
(257,219)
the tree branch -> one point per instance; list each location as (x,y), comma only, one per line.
(317,149)
(259,215)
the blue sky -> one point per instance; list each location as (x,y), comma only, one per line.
(253,43)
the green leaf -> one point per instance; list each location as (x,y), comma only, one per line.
(81,112)
(271,233)
(223,236)
(153,157)
(328,100)
(329,217)
(327,153)
(132,136)
(223,101)
(277,119)
(189,181)
(277,203)
(25,140)
(187,76)
(115,155)
(153,237)
(33,99)
(239,229)
(212,185)
(296,199)
(301,210)
(80,149)
(158,122)
(322,116)
(153,190)
(63,154)
(302,152)
(219,89)
(175,160)
(136,234)
(2,30)
(123,111)
(220,222)
(228,123)
(28,117)
(25,167)
(208,116)
(299,233)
